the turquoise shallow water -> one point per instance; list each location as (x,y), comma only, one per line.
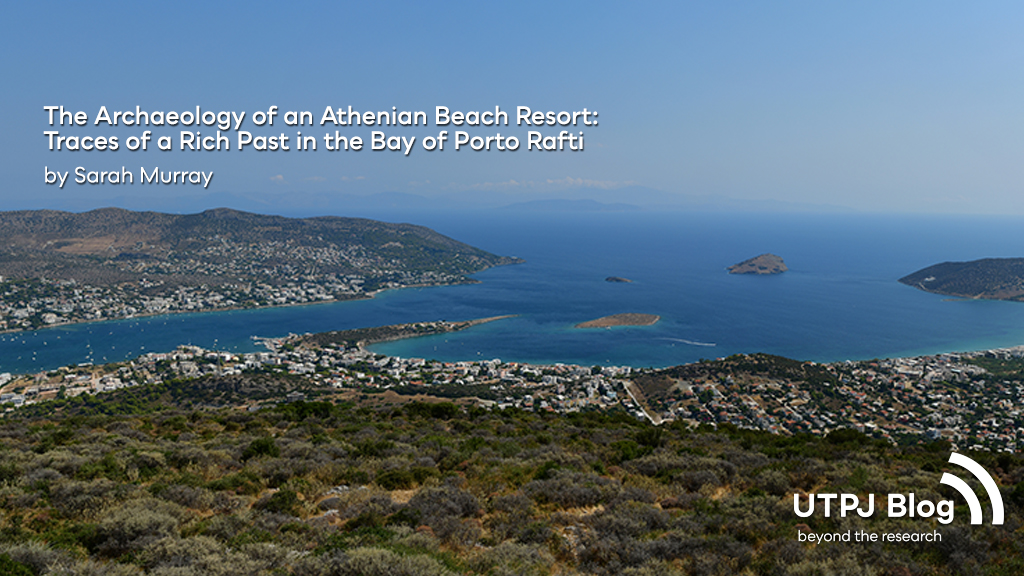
(839,301)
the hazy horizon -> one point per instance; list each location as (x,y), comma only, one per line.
(872,107)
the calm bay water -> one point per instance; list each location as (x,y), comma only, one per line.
(840,299)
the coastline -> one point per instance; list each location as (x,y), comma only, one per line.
(467,324)
(363,337)
(905,353)
(879,318)
(357,297)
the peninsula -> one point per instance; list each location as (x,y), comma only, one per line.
(360,337)
(989,278)
(64,268)
(763,264)
(628,319)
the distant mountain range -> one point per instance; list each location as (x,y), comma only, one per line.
(405,204)
(571,206)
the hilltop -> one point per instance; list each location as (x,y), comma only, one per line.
(989,278)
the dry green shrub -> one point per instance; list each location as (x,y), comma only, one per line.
(629,520)
(127,430)
(42,476)
(636,493)
(446,500)
(654,568)
(278,471)
(188,496)
(93,568)
(962,550)
(357,501)
(513,517)
(609,554)
(774,482)
(660,464)
(61,459)
(73,498)
(808,473)
(201,555)
(330,563)
(280,502)
(379,505)
(746,461)
(845,564)
(449,510)
(751,519)
(35,555)
(376,562)
(459,532)
(512,559)
(134,525)
(419,540)
(225,527)
(186,455)
(268,555)
(573,489)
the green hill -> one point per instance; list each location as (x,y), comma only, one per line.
(989,278)
(218,245)
(62,267)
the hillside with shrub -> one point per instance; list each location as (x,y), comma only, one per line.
(321,488)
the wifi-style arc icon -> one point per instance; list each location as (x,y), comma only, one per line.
(972,499)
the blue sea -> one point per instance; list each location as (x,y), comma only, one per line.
(840,300)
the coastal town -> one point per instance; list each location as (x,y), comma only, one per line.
(902,400)
(949,397)
(107,264)
(63,268)
(36,303)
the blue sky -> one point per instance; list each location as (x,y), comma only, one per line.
(878,106)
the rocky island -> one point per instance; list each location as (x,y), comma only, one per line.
(628,319)
(618,279)
(763,264)
(989,278)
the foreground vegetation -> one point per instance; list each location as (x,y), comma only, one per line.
(315,488)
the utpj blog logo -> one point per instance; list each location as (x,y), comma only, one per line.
(908,505)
